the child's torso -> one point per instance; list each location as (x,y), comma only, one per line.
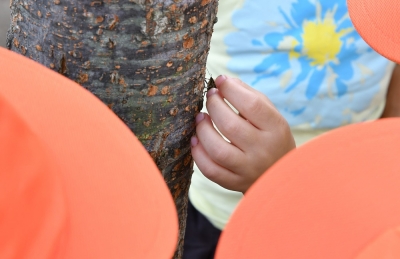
(305,55)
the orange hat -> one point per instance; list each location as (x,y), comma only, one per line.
(74,181)
(336,197)
(378,23)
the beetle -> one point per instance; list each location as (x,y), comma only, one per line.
(210,84)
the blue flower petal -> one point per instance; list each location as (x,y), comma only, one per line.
(328,6)
(301,9)
(279,62)
(341,87)
(305,70)
(273,39)
(315,82)
(345,68)
(297,112)
(291,25)
(346,24)
(256,43)
(261,77)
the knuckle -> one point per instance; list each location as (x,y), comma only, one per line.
(256,105)
(231,127)
(219,155)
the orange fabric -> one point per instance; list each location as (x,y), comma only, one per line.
(386,246)
(378,22)
(32,204)
(116,202)
(328,199)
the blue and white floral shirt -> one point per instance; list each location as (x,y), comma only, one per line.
(306,56)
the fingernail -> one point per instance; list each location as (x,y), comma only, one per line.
(220,79)
(211,92)
(199,117)
(194,141)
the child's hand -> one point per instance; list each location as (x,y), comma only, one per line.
(259,136)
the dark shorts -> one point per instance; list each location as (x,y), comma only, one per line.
(201,237)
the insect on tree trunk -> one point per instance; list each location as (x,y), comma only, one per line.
(145,59)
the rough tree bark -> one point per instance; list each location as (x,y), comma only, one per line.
(145,59)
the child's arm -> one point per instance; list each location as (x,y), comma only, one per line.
(392,108)
(259,136)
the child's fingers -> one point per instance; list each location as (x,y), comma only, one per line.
(220,151)
(212,170)
(237,129)
(251,104)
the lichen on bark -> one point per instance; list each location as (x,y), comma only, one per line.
(145,59)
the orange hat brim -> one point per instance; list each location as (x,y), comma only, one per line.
(378,23)
(117,204)
(32,201)
(327,199)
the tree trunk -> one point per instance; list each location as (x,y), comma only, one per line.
(145,59)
